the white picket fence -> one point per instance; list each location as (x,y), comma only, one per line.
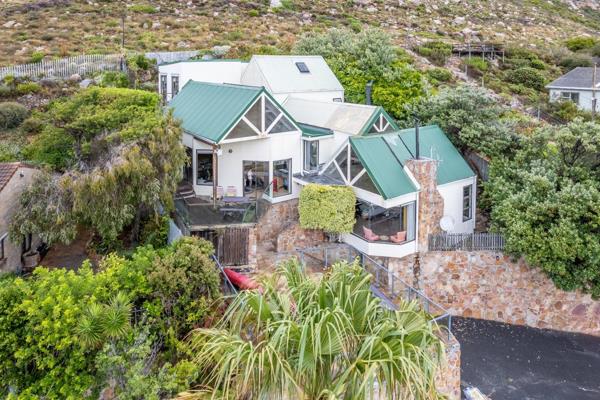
(65,67)
(85,65)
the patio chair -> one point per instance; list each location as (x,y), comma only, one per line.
(369,235)
(231,191)
(399,237)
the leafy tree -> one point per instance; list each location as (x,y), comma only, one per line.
(358,58)
(318,339)
(546,202)
(120,158)
(471,117)
(330,208)
(70,334)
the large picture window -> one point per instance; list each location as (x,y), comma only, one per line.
(570,96)
(396,225)
(311,155)
(282,177)
(467,202)
(204,167)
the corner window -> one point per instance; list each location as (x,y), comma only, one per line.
(396,225)
(174,85)
(302,67)
(311,155)
(163,87)
(467,202)
(282,177)
(204,167)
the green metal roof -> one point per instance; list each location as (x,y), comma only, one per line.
(380,110)
(384,155)
(384,168)
(434,143)
(209,110)
(313,131)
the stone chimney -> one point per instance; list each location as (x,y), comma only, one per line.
(431,203)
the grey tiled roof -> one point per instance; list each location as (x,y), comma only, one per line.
(580,77)
(7,170)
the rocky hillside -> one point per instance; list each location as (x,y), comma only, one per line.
(35,28)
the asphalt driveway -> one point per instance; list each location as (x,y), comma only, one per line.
(509,362)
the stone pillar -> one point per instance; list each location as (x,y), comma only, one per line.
(431,203)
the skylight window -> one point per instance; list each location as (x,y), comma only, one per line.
(302,67)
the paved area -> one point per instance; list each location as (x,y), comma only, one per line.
(509,362)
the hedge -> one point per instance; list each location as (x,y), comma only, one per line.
(330,208)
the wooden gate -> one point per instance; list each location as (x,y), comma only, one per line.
(231,244)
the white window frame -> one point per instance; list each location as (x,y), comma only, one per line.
(470,204)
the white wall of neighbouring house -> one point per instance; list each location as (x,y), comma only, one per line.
(9,200)
(585,98)
(452,193)
(213,71)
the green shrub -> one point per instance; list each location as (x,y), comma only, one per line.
(32,125)
(9,80)
(479,64)
(9,151)
(526,76)
(28,87)
(113,79)
(143,9)
(595,51)
(5,91)
(520,53)
(140,61)
(156,232)
(253,13)
(575,60)
(538,64)
(52,147)
(580,43)
(439,75)
(436,51)
(12,114)
(330,208)
(37,56)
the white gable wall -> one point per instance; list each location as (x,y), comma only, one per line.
(452,193)
(201,71)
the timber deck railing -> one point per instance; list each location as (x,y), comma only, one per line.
(386,285)
(466,242)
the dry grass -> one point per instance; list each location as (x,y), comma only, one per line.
(66,27)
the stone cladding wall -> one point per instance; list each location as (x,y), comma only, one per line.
(489,285)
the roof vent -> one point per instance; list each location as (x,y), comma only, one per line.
(302,67)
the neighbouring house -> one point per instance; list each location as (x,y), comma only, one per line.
(302,76)
(252,147)
(580,85)
(14,256)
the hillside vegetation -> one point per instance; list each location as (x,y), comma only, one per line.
(30,30)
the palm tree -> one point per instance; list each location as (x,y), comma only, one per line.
(326,339)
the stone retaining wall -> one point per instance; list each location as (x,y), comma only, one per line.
(489,285)
(294,237)
(448,378)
